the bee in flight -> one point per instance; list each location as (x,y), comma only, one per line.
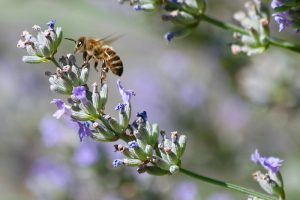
(99,50)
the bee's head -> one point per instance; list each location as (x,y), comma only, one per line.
(79,44)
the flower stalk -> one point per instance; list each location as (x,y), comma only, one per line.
(226,185)
(231,27)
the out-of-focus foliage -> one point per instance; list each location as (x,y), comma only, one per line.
(229,105)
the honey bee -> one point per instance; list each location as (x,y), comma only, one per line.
(99,50)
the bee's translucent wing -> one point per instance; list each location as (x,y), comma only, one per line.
(110,38)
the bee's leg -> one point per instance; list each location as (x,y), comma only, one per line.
(103,72)
(86,60)
(96,65)
(84,55)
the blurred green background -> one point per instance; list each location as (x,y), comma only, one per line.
(226,105)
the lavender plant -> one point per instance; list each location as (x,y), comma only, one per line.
(148,148)
(253,33)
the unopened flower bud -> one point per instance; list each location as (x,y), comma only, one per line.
(84,75)
(156,171)
(163,164)
(173,169)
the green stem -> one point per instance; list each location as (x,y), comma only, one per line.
(283,44)
(223,25)
(226,185)
(55,62)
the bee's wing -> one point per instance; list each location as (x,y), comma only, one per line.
(110,38)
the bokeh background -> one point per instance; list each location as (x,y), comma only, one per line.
(226,105)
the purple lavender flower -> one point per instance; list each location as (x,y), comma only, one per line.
(276,3)
(51,24)
(63,110)
(133,144)
(282,18)
(80,94)
(86,154)
(120,107)
(126,94)
(84,130)
(143,115)
(176,1)
(269,163)
(169,36)
(117,163)
(138,7)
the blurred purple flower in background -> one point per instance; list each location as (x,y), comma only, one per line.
(150,95)
(185,191)
(233,114)
(192,94)
(48,178)
(54,132)
(86,153)
(174,59)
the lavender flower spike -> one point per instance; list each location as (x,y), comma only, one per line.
(63,110)
(269,163)
(126,94)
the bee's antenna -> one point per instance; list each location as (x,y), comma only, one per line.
(71,39)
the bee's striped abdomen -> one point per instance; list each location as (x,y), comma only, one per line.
(112,60)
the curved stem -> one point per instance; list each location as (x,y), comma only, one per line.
(223,25)
(283,44)
(226,185)
(55,62)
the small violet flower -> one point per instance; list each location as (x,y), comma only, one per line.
(84,130)
(282,19)
(126,94)
(120,107)
(51,24)
(63,110)
(269,163)
(276,3)
(143,115)
(133,144)
(286,13)
(169,36)
(80,94)
(117,163)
